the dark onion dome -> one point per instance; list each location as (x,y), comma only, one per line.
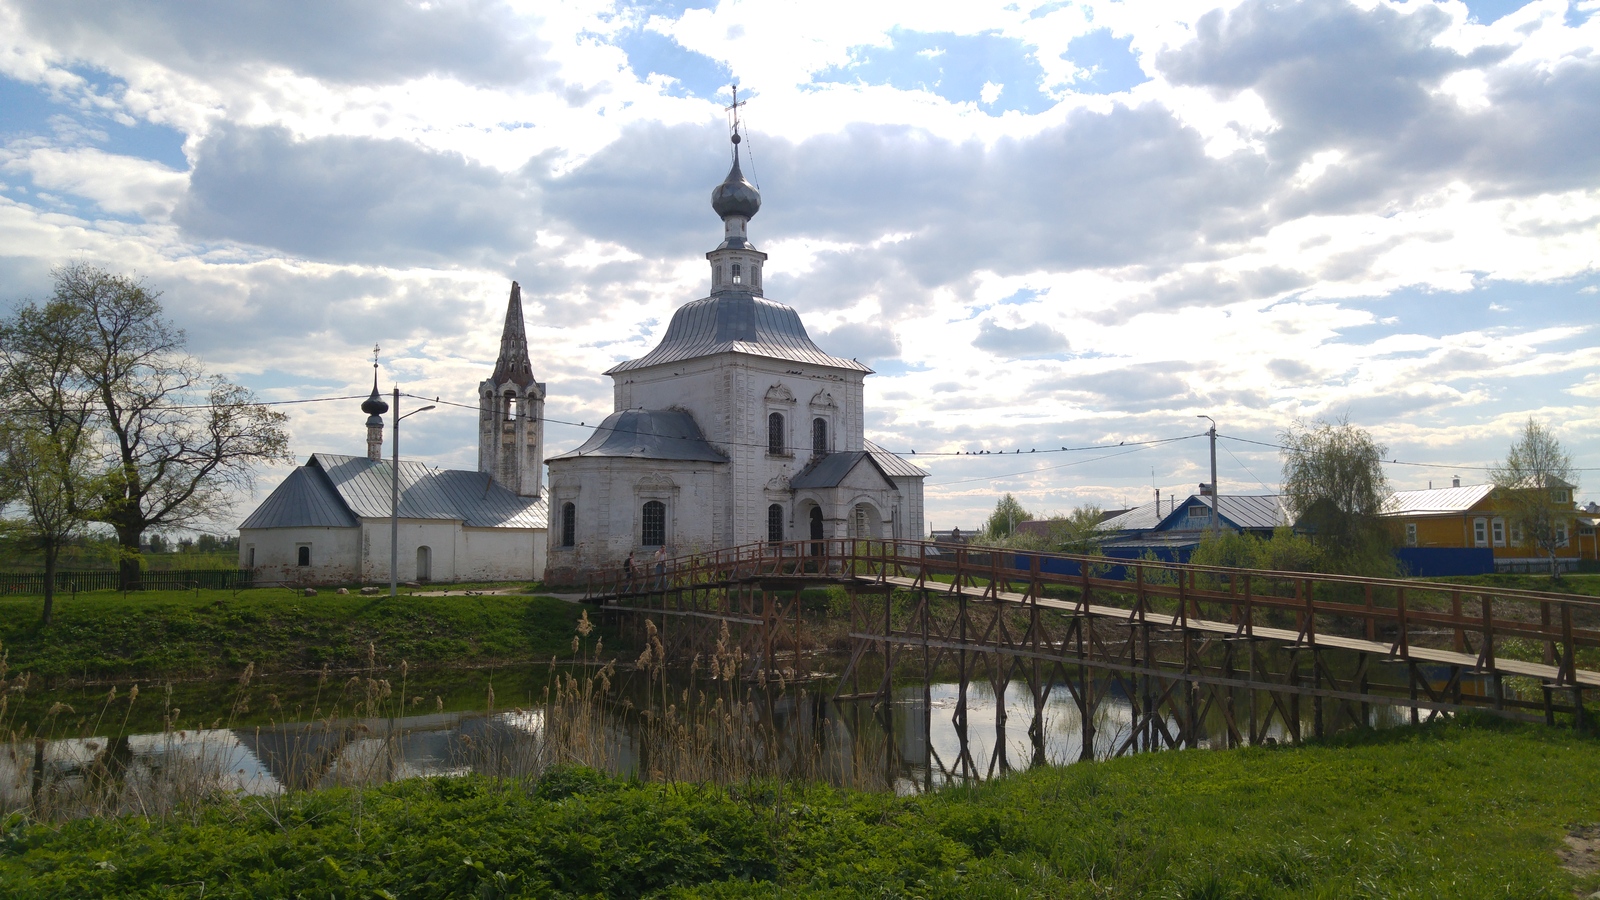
(374,405)
(735,196)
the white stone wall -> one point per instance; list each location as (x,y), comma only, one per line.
(609,494)
(335,554)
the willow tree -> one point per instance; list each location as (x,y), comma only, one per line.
(175,445)
(1334,488)
(1536,484)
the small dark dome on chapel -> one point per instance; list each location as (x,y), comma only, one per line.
(735,196)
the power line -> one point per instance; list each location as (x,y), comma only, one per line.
(1390,462)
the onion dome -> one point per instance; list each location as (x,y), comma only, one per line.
(374,406)
(735,196)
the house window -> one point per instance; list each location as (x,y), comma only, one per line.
(775,522)
(1411,534)
(653,532)
(819,435)
(738,278)
(1561,495)
(1516,534)
(303,555)
(1480,532)
(1200,513)
(569,524)
(776,443)
(1499,526)
(250,556)
(1561,534)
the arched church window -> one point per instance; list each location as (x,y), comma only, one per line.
(755,276)
(653,532)
(303,556)
(819,435)
(775,522)
(737,278)
(511,406)
(716,274)
(569,524)
(777,444)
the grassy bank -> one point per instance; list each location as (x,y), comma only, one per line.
(184,634)
(1449,810)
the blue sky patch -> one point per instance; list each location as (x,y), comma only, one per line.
(1109,61)
(650,52)
(29,111)
(953,66)
(1487,12)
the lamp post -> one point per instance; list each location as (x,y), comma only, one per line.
(1216,497)
(394,498)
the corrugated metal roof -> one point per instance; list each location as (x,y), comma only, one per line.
(472,498)
(1438,501)
(304,499)
(829,471)
(1249,511)
(736,323)
(892,465)
(669,434)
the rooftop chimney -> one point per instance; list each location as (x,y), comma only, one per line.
(1455,482)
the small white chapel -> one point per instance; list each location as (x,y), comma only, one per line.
(736,428)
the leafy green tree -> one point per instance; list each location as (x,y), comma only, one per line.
(1007,513)
(1284,552)
(1536,484)
(1334,487)
(174,445)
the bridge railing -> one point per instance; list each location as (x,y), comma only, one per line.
(1483,621)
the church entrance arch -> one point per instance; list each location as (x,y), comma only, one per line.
(424,564)
(865,522)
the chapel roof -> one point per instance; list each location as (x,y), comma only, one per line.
(663,434)
(736,322)
(830,471)
(333,490)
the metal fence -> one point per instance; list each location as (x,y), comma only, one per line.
(25,583)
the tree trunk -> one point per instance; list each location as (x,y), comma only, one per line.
(129,572)
(51,551)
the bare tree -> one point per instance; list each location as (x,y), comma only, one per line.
(1536,484)
(177,444)
(1334,487)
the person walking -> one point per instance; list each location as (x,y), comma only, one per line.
(661,568)
(629,569)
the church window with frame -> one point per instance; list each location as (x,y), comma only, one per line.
(738,277)
(775,522)
(653,524)
(819,435)
(511,406)
(777,440)
(303,555)
(569,524)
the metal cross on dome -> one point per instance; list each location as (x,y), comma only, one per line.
(734,109)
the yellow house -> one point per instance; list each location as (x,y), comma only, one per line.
(1476,516)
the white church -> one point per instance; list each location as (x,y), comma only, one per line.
(735,429)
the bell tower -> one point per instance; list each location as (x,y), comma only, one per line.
(511,411)
(736,263)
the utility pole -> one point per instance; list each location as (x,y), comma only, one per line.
(394,498)
(1216,496)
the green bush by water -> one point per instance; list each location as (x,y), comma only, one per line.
(179,634)
(1449,810)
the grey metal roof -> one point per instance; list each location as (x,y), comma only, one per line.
(1435,502)
(669,434)
(892,465)
(736,323)
(829,471)
(1261,512)
(472,498)
(305,499)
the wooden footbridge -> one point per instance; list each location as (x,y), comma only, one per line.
(1200,655)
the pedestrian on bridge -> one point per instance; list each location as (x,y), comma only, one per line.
(661,568)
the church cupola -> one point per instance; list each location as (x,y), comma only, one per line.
(374,406)
(511,410)
(736,263)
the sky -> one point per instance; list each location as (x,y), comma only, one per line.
(1044,225)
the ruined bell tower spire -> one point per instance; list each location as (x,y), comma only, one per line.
(511,410)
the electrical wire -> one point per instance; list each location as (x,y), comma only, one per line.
(1388,462)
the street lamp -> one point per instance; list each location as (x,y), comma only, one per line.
(394,499)
(1216,497)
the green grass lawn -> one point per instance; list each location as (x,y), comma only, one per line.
(1448,811)
(179,634)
